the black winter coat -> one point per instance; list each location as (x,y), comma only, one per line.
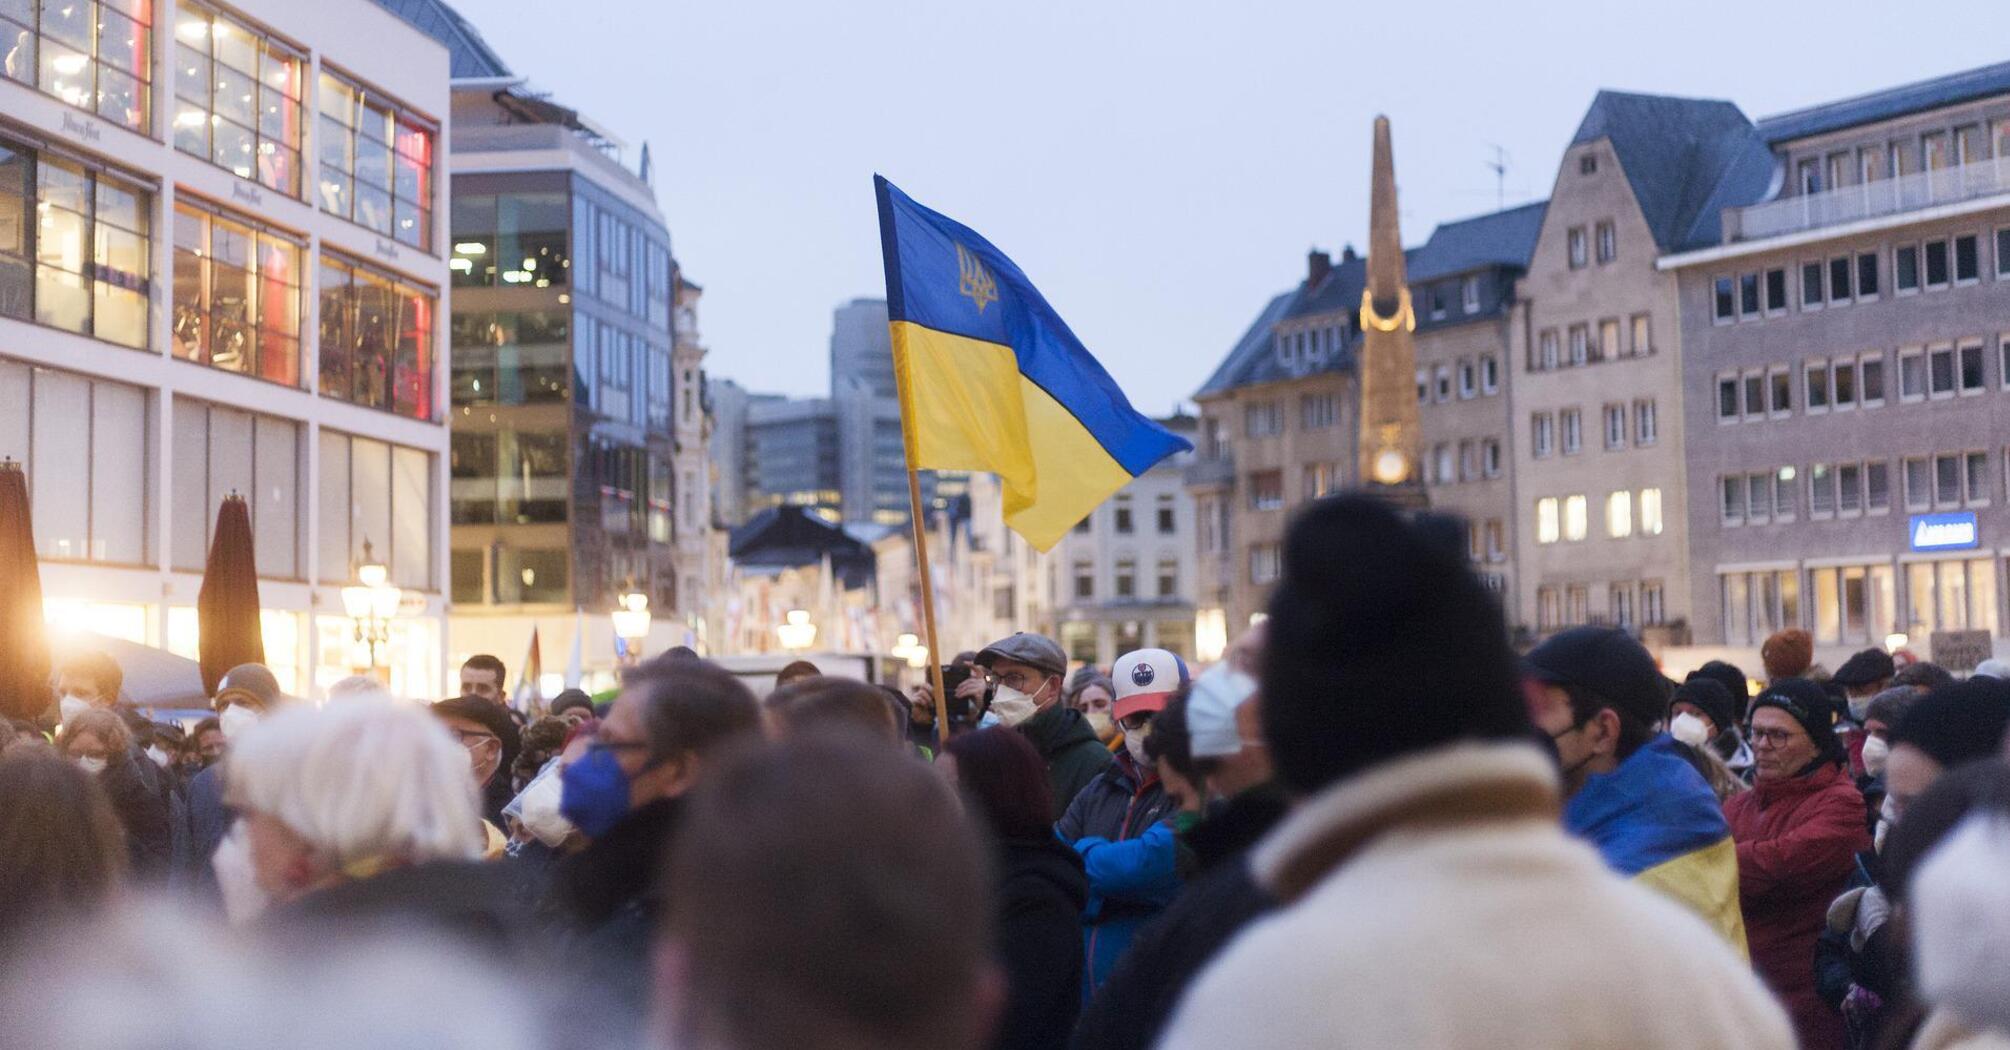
(143,810)
(604,903)
(484,905)
(1040,898)
(1132,1007)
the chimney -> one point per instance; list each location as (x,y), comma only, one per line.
(1317,265)
(1347,254)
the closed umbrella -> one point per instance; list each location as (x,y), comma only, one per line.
(24,646)
(226,608)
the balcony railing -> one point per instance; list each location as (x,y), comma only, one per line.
(1218,471)
(1869,200)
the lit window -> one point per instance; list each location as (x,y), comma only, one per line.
(1547,526)
(1576,518)
(376,162)
(92,54)
(376,338)
(236,295)
(92,247)
(1650,512)
(237,98)
(1619,514)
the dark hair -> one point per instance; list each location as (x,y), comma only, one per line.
(808,885)
(204,726)
(1634,729)
(485,662)
(1382,643)
(101,669)
(542,740)
(796,671)
(690,706)
(1001,773)
(570,699)
(680,652)
(823,701)
(1172,743)
(105,725)
(1957,723)
(1923,675)
(62,848)
(1983,785)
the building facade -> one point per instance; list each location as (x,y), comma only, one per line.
(188,310)
(1846,356)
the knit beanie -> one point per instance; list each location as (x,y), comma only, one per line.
(1710,697)
(1732,678)
(1958,723)
(1788,654)
(1805,702)
(1891,705)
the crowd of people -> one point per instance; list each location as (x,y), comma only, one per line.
(1372,824)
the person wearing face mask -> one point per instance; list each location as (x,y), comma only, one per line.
(1024,674)
(100,743)
(244,696)
(1696,710)
(480,727)
(1631,790)
(1121,822)
(1861,677)
(1092,693)
(624,789)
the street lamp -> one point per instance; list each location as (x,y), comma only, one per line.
(908,647)
(631,621)
(799,633)
(371,602)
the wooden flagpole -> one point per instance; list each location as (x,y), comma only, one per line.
(920,527)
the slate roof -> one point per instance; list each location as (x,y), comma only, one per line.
(472,56)
(1889,104)
(1255,342)
(792,537)
(1687,160)
(1502,238)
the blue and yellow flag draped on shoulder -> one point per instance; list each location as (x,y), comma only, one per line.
(992,379)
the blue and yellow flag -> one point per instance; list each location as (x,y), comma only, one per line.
(992,379)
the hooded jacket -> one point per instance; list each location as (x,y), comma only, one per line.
(1042,889)
(1797,844)
(1119,825)
(1069,747)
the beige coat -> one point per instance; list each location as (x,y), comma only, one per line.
(1435,901)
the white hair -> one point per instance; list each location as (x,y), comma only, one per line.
(361,778)
(358,685)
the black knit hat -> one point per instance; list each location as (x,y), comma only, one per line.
(1382,644)
(1731,678)
(1808,705)
(1868,667)
(1957,723)
(1710,697)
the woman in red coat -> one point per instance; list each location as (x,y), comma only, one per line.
(1798,832)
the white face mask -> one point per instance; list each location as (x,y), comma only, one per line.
(72,705)
(1012,706)
(1689,729)
(93,766)
(1875,751)
(243,899)
(1858,707)
(538,807)
(160,757)
(236,719)
(1135,744)
(1100,722)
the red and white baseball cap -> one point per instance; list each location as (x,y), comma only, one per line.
(1145,680)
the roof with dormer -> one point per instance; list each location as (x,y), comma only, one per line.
(1686,159)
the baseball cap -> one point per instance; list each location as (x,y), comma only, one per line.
(1210,711)
(1145,680)
(1865,668)
(1605,661)
(1033,650)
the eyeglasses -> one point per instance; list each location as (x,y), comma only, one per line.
(472,739)
(1772,737)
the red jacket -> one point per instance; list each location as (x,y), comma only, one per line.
(1797,844)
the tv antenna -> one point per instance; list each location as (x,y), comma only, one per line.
(1499,165)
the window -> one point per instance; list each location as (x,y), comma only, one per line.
(1940,371)
(1320,480)
(1445,469)
(1619,514)
(1785,494)
(1263,563)
(1587,164)
(1490,457)
(1734,499)
(1469,380)
(514,239)
(382,494)
(1849,488)
(1936,264)
(1776,290)
(1646,425)
(1469,464)
(1615,427)
(1971,368)
(1580,344)
(1608,242)
(1782,382)
(1911,375)
(1650,512)
(1755,396)
(1262,419)
(89,235)
(1085,580)
(93,54)
(1124,523)
(1727,398)
(1918,484)
(1490,374)
(2003,249)
(1839,279)
(1442,383)
(1643,341)
(1437,298)
(2003,359)
(1653,608)
(1168,577)
(237,98)
(1748,295)
(236,295)
(1548,609)
(218,449)
(1266,490)
(1124,581)
(1619,599)
(1811,286)
(1725,309)
(376,338)
(1758,497)
(1947,485)
(1543,436)
(85,446)
(1496,540)
(1866,275)
(1167,518)
(1317,411)
(1548,526)
(376,162)
(1608,340)
(1548,359)
(1977,479)
(1844,374)
(1967,260)
(1575,239)
(1818,386)
(1905,268)
(511,358)
(1577,604)
(1821,491)
(1573,431)
(1469,295)
(1873,380)
(1877,486)
(1576,519)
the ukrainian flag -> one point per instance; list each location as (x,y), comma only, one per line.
(992,379)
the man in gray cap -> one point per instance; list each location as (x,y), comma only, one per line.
(244,695)
(1026,673)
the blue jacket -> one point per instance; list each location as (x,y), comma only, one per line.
(1120,824)
(1655,820)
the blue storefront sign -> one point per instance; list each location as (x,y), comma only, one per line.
(1945,532)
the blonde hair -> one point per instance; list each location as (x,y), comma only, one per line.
(106,725)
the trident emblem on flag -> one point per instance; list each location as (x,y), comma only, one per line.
(974,280)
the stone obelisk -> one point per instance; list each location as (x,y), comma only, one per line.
(1389,465)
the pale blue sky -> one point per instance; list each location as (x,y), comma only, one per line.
(1158,169)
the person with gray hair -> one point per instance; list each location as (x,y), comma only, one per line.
(1091,692)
